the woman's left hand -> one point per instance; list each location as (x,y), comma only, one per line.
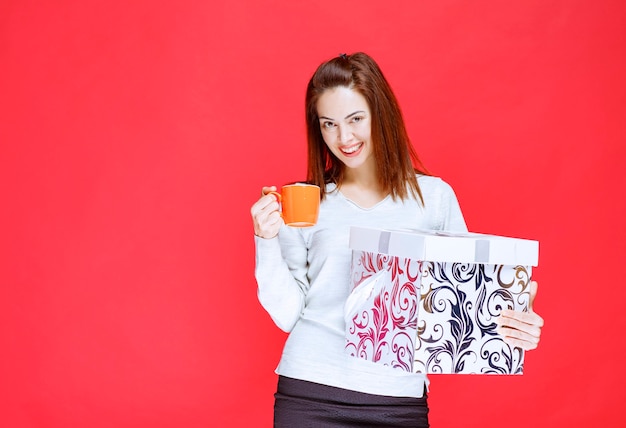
(521,329)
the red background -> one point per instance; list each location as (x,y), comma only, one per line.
(136,135)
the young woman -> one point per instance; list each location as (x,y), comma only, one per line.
(360,155)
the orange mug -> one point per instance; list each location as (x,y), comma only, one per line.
(300,204)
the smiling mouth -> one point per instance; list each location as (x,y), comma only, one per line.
(352,149)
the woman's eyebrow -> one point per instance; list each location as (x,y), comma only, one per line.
(352,114)
(347,117)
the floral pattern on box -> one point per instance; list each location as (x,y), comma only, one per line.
(381,312)
(459,304)
(433,317)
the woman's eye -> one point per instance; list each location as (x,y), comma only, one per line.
(357,119)
(328,125)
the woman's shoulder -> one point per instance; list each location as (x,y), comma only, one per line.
(435,191)
(430,183)
(440,199)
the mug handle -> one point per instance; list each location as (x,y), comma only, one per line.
(279,199)
(277,195)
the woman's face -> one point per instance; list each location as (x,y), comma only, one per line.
(345,122)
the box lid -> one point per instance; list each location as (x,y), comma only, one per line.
(439,246)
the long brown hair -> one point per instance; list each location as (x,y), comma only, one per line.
(396,160)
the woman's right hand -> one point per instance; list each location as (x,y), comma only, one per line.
(266,215)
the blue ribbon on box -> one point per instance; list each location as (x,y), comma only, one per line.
(481,251)
(383,242)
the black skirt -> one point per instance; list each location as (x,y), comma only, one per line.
(302,404)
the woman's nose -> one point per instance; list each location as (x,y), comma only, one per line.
(345,134)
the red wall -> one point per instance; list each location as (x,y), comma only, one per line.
(136,135)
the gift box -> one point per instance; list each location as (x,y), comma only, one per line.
(427,301)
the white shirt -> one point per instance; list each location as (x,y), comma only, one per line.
(303,278)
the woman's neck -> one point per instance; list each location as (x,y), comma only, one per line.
(362,188)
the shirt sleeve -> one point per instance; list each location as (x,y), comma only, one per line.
(450,213)
(281,274)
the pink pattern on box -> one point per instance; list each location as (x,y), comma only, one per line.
(381,313)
